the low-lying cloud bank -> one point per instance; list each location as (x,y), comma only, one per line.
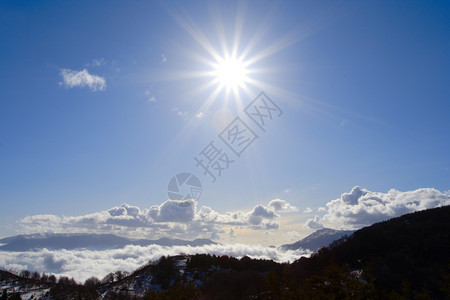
(361,207)
(82,264)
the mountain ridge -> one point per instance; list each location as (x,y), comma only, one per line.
(70,241)
(318,239)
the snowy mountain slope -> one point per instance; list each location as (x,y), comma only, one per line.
(316,240)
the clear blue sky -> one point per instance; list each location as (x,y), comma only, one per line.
(364,87)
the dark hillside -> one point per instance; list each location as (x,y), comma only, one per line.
(411,250)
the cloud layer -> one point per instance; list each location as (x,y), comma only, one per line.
(82,264)
(361,207)
(83,78)
(174,218)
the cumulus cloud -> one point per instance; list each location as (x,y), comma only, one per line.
(83,78)
(281,206)
(82,264)
(175,211)
(361,207)
(314,223)
(175,218)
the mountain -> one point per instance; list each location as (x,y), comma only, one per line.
(71,241)
(318,239)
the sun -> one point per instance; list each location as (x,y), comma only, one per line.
(231,62)
(230,72)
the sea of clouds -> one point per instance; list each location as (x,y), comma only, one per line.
(82,264)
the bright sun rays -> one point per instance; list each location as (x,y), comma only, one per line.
(230,61)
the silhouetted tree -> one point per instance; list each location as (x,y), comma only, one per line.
(109,278)
(118,275)
(36,276)
(52,279)
(25,274)
(92,282)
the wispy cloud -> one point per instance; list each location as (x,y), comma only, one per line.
(307,210)
(73,78)
(188,115)
(181,113)
(96,62)
(200,115)
(149,96)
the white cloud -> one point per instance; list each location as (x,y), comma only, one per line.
(321,209)
(163,58)
(314,223)
(181,113)
(82,264)
(82,78)
(260,214)
(175,218)
(281,206)
(188,115)
(361,207)
(307,210)
(200,115)
(150,98)
(175,211)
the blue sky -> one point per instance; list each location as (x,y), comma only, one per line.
(363,87)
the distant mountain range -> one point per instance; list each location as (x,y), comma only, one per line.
(72,241)
(318,239)
(69,241)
